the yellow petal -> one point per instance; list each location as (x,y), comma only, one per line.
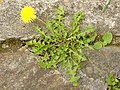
(28,14)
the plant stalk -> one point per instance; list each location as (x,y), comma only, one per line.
(106,6)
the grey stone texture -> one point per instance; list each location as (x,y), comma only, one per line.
(18,66)
(19,71)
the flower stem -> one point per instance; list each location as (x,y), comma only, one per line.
(106,6)
(40,20)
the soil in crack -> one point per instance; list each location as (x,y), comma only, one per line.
(10,45)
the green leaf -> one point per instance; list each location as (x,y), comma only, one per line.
(29,43)
(59,14)
(36,50)
(109,80)
(74,79)
(42,64)
(71,72)
(98,45)
(37,29)
(93,37)
(79,16)
(60,10)
(46,57)
(107,38)
(113,82)
(64,64)
(87,30)
(75,83)
(48,65)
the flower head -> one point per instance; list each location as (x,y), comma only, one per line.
(28,14)
(1,1)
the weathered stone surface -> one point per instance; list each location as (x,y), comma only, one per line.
(19,71)
(101,63)
(12,26)
(18,67)
(10,45)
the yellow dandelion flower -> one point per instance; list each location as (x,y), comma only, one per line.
(28,14)
(1,1)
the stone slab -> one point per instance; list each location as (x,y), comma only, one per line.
(20,71)
(12,27)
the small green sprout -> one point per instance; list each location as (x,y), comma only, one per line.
(113,83)
(106,39)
